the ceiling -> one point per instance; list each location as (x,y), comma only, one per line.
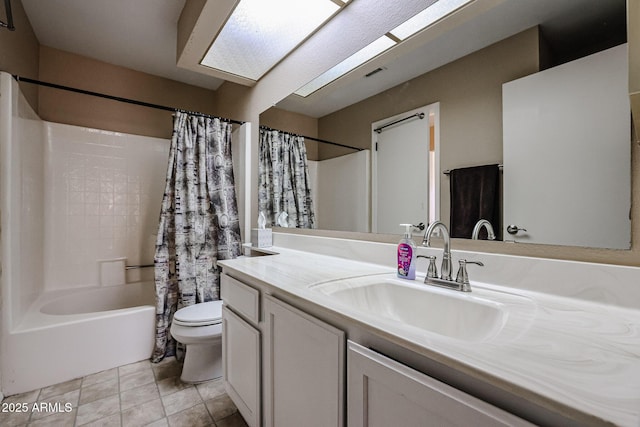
(571,28)
(142,35)
(137,34)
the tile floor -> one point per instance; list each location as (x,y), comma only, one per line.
(139,394)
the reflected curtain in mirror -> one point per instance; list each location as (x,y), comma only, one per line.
(283,179)
(199,221)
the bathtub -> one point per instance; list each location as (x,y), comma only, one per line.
(72,333)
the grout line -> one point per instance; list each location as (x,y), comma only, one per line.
(31,412)
(75,417)
(164,411)
(119,395)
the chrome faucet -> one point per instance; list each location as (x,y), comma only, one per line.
(491,235)
(445,270)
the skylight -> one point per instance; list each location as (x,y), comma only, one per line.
(363,55)
(422,20)
(260,33)
(417,23)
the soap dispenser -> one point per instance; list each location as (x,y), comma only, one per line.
(407,255)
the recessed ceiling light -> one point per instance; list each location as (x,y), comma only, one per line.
(260,33)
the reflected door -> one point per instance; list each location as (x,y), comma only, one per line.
(566,154)
(400,184)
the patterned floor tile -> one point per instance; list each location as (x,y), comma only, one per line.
(137,394)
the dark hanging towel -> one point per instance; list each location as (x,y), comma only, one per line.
(474,196)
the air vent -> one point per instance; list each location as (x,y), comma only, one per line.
(376,71)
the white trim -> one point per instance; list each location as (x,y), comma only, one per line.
(242,174)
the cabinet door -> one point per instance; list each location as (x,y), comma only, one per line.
(382,392)
(241,365)
(303,368)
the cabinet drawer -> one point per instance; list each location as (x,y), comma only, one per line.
(244,299)
(383,392)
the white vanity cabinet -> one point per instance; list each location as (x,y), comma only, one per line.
(281,366)
(383,392)
(241,360)
(304,366)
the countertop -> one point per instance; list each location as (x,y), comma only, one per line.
(577,356)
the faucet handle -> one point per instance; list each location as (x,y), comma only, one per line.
(432,270)
(462,277)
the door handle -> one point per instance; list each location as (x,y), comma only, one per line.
(513,229)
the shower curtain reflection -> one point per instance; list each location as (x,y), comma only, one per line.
(199,221)
(283,175)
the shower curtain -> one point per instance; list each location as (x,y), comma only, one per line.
(283,179)
(198,221)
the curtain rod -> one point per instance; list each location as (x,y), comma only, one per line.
(420,115)
(120,99)
(314,139)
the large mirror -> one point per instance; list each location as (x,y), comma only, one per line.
(455,76)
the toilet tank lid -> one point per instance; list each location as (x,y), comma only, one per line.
(201,312)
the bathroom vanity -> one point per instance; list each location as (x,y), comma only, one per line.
(317,339)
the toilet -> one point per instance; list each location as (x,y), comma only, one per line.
(199,328)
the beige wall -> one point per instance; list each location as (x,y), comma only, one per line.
(233,102)
(68,69)
(19,51)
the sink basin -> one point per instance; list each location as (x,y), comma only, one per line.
(450,313)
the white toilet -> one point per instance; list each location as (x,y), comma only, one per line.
(199,328)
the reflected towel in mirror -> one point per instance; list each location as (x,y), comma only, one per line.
(474,195)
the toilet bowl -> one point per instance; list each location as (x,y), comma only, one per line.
(199,328)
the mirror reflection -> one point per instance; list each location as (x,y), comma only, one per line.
(457,80)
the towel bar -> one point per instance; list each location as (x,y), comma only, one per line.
(448,171)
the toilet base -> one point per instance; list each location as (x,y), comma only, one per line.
(202,362)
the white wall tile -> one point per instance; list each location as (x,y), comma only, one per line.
(96,211)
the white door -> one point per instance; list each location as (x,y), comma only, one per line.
(400,187)
(579,110)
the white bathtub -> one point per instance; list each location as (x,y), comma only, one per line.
(72,333)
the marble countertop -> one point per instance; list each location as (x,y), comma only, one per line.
(573,355)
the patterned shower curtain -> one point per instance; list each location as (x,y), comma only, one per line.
(283,179)
(198,221)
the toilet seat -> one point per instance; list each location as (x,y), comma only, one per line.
(202,314)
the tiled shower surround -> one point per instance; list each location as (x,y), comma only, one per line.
(102,201)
